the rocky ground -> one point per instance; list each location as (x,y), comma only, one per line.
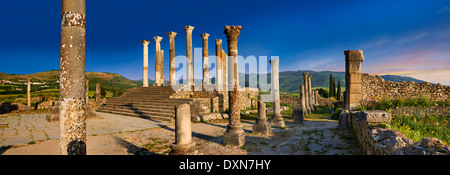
(317,136)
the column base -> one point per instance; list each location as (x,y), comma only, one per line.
(234,139)
(277,121)
(185,149)
(262,128)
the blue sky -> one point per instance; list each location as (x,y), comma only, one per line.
(400,37)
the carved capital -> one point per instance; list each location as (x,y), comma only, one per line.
(218,42)
(274,61)
(145,42)
(232,32)
(157,39)
(171,34)
(305,74)
(188,29)
(205,36)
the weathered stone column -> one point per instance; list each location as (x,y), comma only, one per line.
(205,37)
(172,76)
(189,57)
(161,82)
(98,95)
(277,119)
(261,125)
(145,67)
(183,133)
(299,109)
(72,78)
(219,71)
(353,96)
(310,95)
(29,92)
(234,134)
(158,60)
(307,106)
(87,93)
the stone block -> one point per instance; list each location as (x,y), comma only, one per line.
(376,116)
(234,139)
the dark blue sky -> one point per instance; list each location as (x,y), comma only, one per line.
(402,37)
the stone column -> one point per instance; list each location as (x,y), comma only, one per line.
(162,68)
(299,109)
(158,60)
(172,76)
(29,92)
(145,68)
(183,133)
(72,78)
(219,71)
(277,119)
(353,96)
(261,125)
(310,95)
(307,106)
(189,62)
(87,93)
(205,37)
(98,95)
(234,134)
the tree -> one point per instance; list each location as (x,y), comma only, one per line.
(338,94)
(332,91)
(102,92)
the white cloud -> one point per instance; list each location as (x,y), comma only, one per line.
(443,10)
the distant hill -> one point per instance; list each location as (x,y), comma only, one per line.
(289,80)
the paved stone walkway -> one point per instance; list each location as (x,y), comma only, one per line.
(26,128)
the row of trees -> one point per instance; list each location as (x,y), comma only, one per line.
(332,92)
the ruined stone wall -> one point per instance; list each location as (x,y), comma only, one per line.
(421,111)
(374,88)
(375,139)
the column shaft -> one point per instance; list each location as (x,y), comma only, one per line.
(189,57)
(145,64)
(205,37)
(158,60)
(72,78)
(172,76)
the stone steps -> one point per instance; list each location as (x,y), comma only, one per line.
(149,102)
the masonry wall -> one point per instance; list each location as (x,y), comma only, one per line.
(374,88)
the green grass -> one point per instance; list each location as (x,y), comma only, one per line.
(418,101)
(416,128)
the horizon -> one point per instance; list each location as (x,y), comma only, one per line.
(404,38)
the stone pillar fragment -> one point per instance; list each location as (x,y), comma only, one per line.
(189,57)
(305,80)
(183,133)
(158,60)
(261,125)
(29,92)
(172,76)
(72,78)
(234,134)
(299,112)
(310,95)
(98,95)
(205,37)
(145,67)
(353,91)
(161,82)
(277,119)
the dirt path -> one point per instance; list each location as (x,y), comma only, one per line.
(314,137)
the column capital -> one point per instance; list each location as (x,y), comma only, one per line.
(305,74)
(232,32)
(309,76)
(157,39)
(171,34)
(274,61)
(188,29)
(145,42)
(205,36)
(218,41)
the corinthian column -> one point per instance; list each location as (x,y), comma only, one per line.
(190,66)
(72,110)
(145,68)
(158,60)
(172,77)
(277,119)
(205,37)
(305,81)
(234,134)
(29,92)
(219,81)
